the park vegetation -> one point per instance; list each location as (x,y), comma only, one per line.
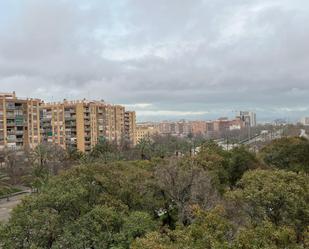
(162,194)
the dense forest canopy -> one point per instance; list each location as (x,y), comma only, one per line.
(212,199)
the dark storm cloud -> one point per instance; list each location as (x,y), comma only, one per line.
(169,57)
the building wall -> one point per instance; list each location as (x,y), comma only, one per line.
(130,127)
(85,122)
(19,121)
(305,121)
(198,127)
(249,118)
(119,112)
(145,132)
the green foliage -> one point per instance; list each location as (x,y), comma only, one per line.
(144,147)
(240,161)
(277,196)
(136,225)
(213,200)
(88,207)
(186,183)
(211,230)
(104,151)
(215,160)
(266,236)
(287,153)
(6,188)
(99,228)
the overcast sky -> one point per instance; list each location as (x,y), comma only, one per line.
(168,59)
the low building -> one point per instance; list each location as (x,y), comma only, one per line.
(145,132)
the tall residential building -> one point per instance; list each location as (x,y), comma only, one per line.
(305,121)
(70,124)
(249,118)
(198,127)
(221,125)
(119,112)
(130,127)
(80,124)
(19,122)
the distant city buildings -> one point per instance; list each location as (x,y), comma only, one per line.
(146,131)
(25,123)
(305,121)
(280,122)
(248,117)
(81,124)
(183,128)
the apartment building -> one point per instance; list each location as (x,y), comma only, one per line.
(305,121)
(119,113)
(221,125)
(80,124)
(248,117)
(130,126)
(19,122)
(145,132)
(198,127)
(70,124)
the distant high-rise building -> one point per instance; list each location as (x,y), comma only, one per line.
(19,121)
(198,127)
(249,118)
(305,121)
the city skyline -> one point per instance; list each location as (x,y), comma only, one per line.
(170,115)
(194,60)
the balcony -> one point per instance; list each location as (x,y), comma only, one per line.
(19,140)
(10,107)
(70,118)
(10,115)
(10,124)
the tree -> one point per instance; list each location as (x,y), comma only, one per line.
(104,206)
(287,153)
(276,196)
(216,161)
(210,230)
(46,160)
(136,225)
(144,147)
(16,165)
(4,186)
(240,161)
(104,151)
(266,236)
(186,184)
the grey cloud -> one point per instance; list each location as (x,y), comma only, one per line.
(202,55)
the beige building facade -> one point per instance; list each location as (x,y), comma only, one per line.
(81,124)
(19,122)
(25,123)
(145,132)
(130,126)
